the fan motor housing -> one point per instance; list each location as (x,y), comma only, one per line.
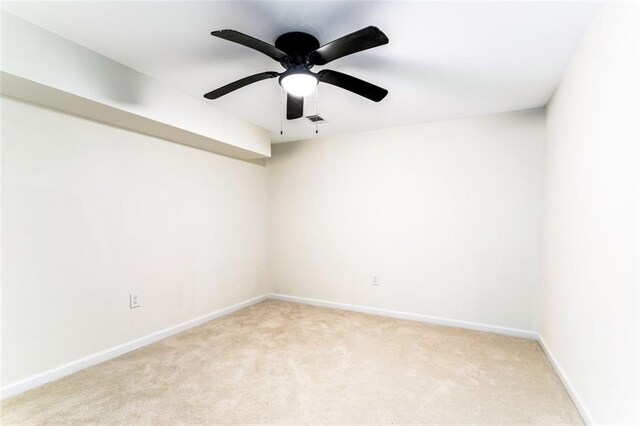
(298,45)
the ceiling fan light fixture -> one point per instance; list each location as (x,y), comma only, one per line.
(299,84)
(297,53)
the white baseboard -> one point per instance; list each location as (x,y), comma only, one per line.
(409,316)
(77,365)
(586,416)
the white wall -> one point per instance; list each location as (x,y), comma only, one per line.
(589,307)
(91,212)
(446,214)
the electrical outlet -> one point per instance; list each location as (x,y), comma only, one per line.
(134,300)
(375,280)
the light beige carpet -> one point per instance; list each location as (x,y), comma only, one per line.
(279,362)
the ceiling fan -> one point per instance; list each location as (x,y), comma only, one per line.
(298,52)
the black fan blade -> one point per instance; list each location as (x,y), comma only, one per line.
(245,40)
(352,84)
(215,94)
(295,107)
(361,40)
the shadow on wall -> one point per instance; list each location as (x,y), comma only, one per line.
(123,85)
(262,162)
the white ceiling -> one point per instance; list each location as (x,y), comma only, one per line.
(445,60)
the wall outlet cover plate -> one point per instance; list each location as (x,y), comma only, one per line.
(134,300)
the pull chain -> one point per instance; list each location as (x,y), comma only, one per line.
(281,108)
(317,91)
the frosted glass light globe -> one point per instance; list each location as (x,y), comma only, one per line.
(299,85)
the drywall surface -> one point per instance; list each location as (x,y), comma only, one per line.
(42,67)
(445,215)
(589,304)
(91,212)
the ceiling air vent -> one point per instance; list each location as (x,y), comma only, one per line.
(315,118)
